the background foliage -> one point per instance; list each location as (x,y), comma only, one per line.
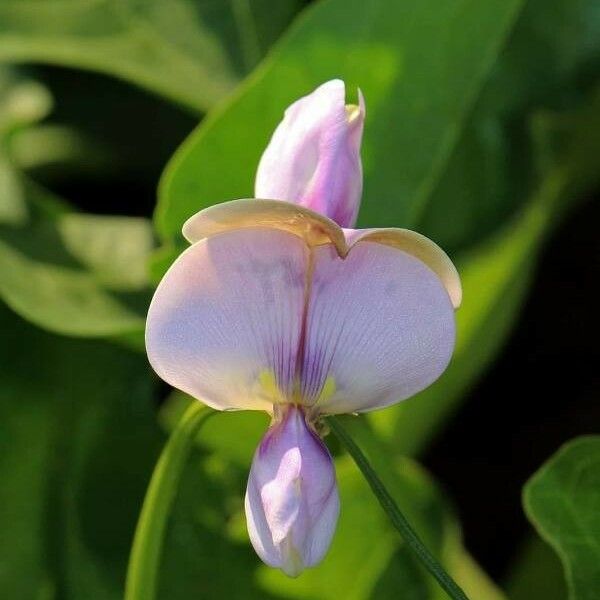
(483,132)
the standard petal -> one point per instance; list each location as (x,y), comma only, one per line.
(313,228)
(313,158)
(225,320)
(292,503)
(380,328)
(419,246)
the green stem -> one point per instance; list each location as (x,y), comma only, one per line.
(142,572)
(396,517)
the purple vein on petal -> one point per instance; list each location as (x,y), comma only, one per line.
(298,375)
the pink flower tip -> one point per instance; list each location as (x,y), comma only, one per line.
(313,158)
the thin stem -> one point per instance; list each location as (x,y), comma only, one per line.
(396,517)
(142,572)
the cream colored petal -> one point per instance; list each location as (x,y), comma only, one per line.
(313,228)
(418,246)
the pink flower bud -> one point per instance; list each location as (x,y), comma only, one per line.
(313,158)
(292,502)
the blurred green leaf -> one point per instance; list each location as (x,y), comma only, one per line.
(77,444)
(22,103)
(561,500)
(79,275)
(420,75)
(250,426)
(113,249)
(38,147)
(536,570)
(12,204)
(52,279)
(191,51)
(463,567)
(550,61)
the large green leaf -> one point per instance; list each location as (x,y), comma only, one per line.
(561,500)
(488,166)
(420,75)
(549,61)
(191,51)
(77,444)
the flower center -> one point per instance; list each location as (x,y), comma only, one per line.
(269,388)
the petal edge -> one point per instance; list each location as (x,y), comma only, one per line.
(312,227)
(420,247)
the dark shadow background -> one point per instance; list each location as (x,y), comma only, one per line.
(542,390)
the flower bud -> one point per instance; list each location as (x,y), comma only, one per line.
(313,158)
(292,502)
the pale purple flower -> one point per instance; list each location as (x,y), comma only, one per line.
(275,307)
(313,158)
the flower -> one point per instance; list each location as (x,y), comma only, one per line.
(292,502)
(313,158)
(277,307)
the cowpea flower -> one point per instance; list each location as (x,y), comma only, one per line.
(278,305)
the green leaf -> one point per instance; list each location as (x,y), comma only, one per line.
(22,103)
(13,208)
(79,275)
(536,569)
(113,249)
(250,426)
(561,500)
(187,50)
(428,74)
(45,277)
(78,440)
(549,61)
